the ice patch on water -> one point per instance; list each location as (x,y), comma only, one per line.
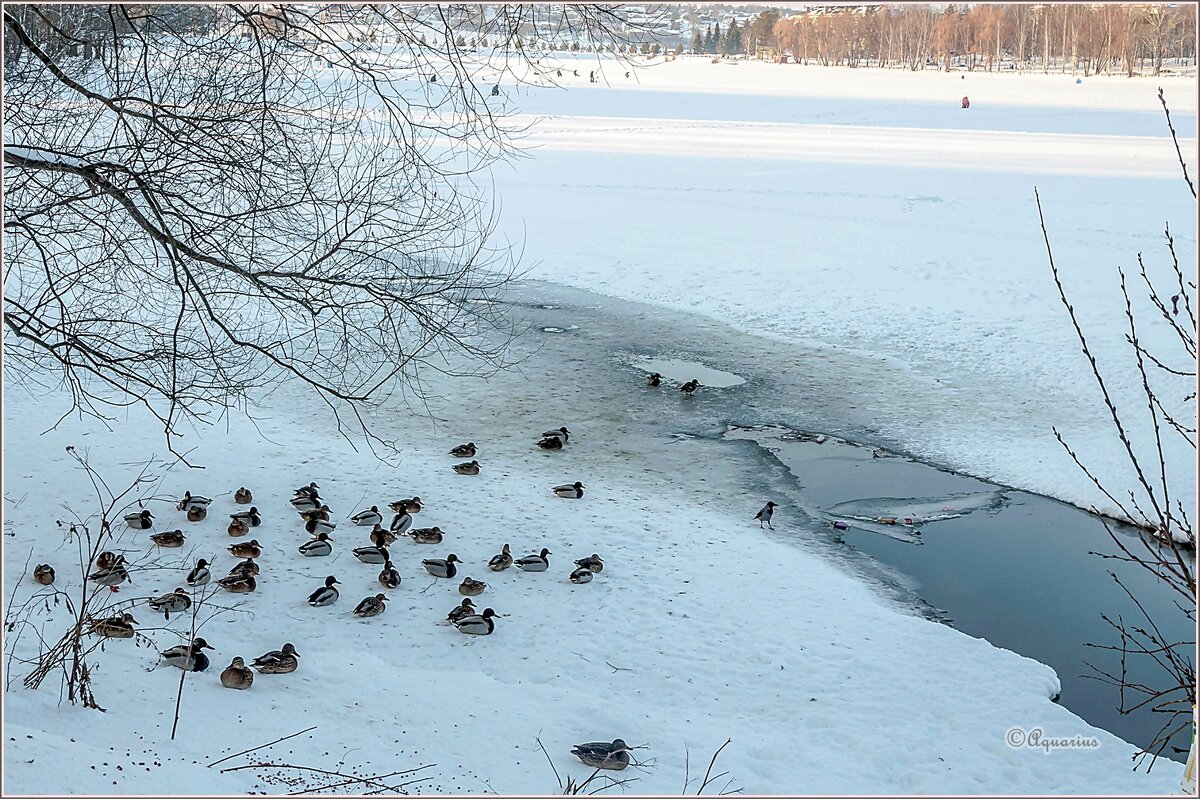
(681,371)
(559,329)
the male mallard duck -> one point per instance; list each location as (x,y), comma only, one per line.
(190,501)
(142,520)
(467,608)
(598,754)
(199,575)
(322,513)
(317,526)
(381,537)
(247,568)
(441,568)
(561,432)
(243,496)
(238,583)
(464,450)
(569,491)
(237,675)
(277,661)
(177,601)
(326,595)
(372,516)
(765,515)
(371,606)
(371,554)
(238,527)
(389,577)
(309,490)
(401,522)
(106,560)
(580,576)
(534,563)
(43,574)
(551,442)
(197,513)
(477,625)
(500,562)
(317,547)
(467,468)
(250,517)
(174,538)
(188,657)
(592,563)
(470,587)
(246,549)
(115,627)
(653,380)
(689,388)
(426,535)
(113,576)
(304,502)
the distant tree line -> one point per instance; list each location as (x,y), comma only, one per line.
(737,40)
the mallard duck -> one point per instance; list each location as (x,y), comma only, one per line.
(304,503)
(426,535)
(309,490)
(561,432)
(238,527)
(250,517)
(381,537)
(477,625)
(142,520)
(318,547)
(464,450)
(389,577)
(534,563)
(689,388)
(411,505)
(598,754)
(401,522)
(247,568)
(371,606)
(188,657)
(569,491)
(592,563)
(177,601)
(190,501)
(551,442)
(278,661)
(441,568)
(317,526)
(372,517)
(238,583)
(371,554)
(171,539)
(237,675)
(199,575)
(106,560)
(580,576)
(246,549)
(470,587)
(112,576)
(467,468)
(764,515)
(243,496)
(322,513)
(653,380)
(500,562)
(467,608)
(197,513)
(326,595)
(115,627)
(43,574)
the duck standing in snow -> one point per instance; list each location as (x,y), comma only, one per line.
(277,661)
(561,432)
(190,501)
(239,583)
(500,562)
(112,576)
(371,554)
(199,575)
(467,608)
(326,595)
(249,517)
(388,576)
(177,601)
(318,547)
(400,523)
(764,515)
(654,380)
(535,563)
(426,535)
(441,568)
(243,496)
(569,491)
(371,606)
(368,517)
(188,657)
(598,754)
(477,625)
(171,539)
(237,676)
(592,563)
(464,450)
(470,587)
(43,574)
(142,520)
(467,468)
(551,442)
(115,627)
(246,549)
(581,576)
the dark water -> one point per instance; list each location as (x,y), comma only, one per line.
(1013,568)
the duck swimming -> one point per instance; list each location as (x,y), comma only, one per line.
(388,576)
(318,547)
(368,517)
(326,595)
(277,661)
(143,520)
(654,380)
(371,606)
(500,562)
(477,625)
(188,657)
(470,587)
(569,491)
(441,568)
(467,468)
(534,563)
(464,450)
(237,676)
(689,388)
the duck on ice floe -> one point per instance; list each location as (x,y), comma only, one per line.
(689,388)
(654,380)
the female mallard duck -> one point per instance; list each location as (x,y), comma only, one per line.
(470,587)
(115,627)
(400,523)
(43,574)
(250,517)
(172,539)
(309,490)
(411,505)
(246,568)
(238,583)
(551,442)
(326,595)
(426,535)
(322,513)
(318,547)
(598,754)
(243,496)
(477,625)
(199,575)
(389,577)
(188,657)
(441,568)
(464,450)
(654,380)
(581,576)
(467,608)
(142,520)
(112,576)
(177,601)
(277,661)
(561,432)
(569,491)
(534,563)
(246,549)
(238,527)
(368,517)
(467,468)
(237,675)
(500,562)
(381,537)
(371,554)
(316,526)
(190,501)
(371,606)
(689,388)
(592,563)
(197,513)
